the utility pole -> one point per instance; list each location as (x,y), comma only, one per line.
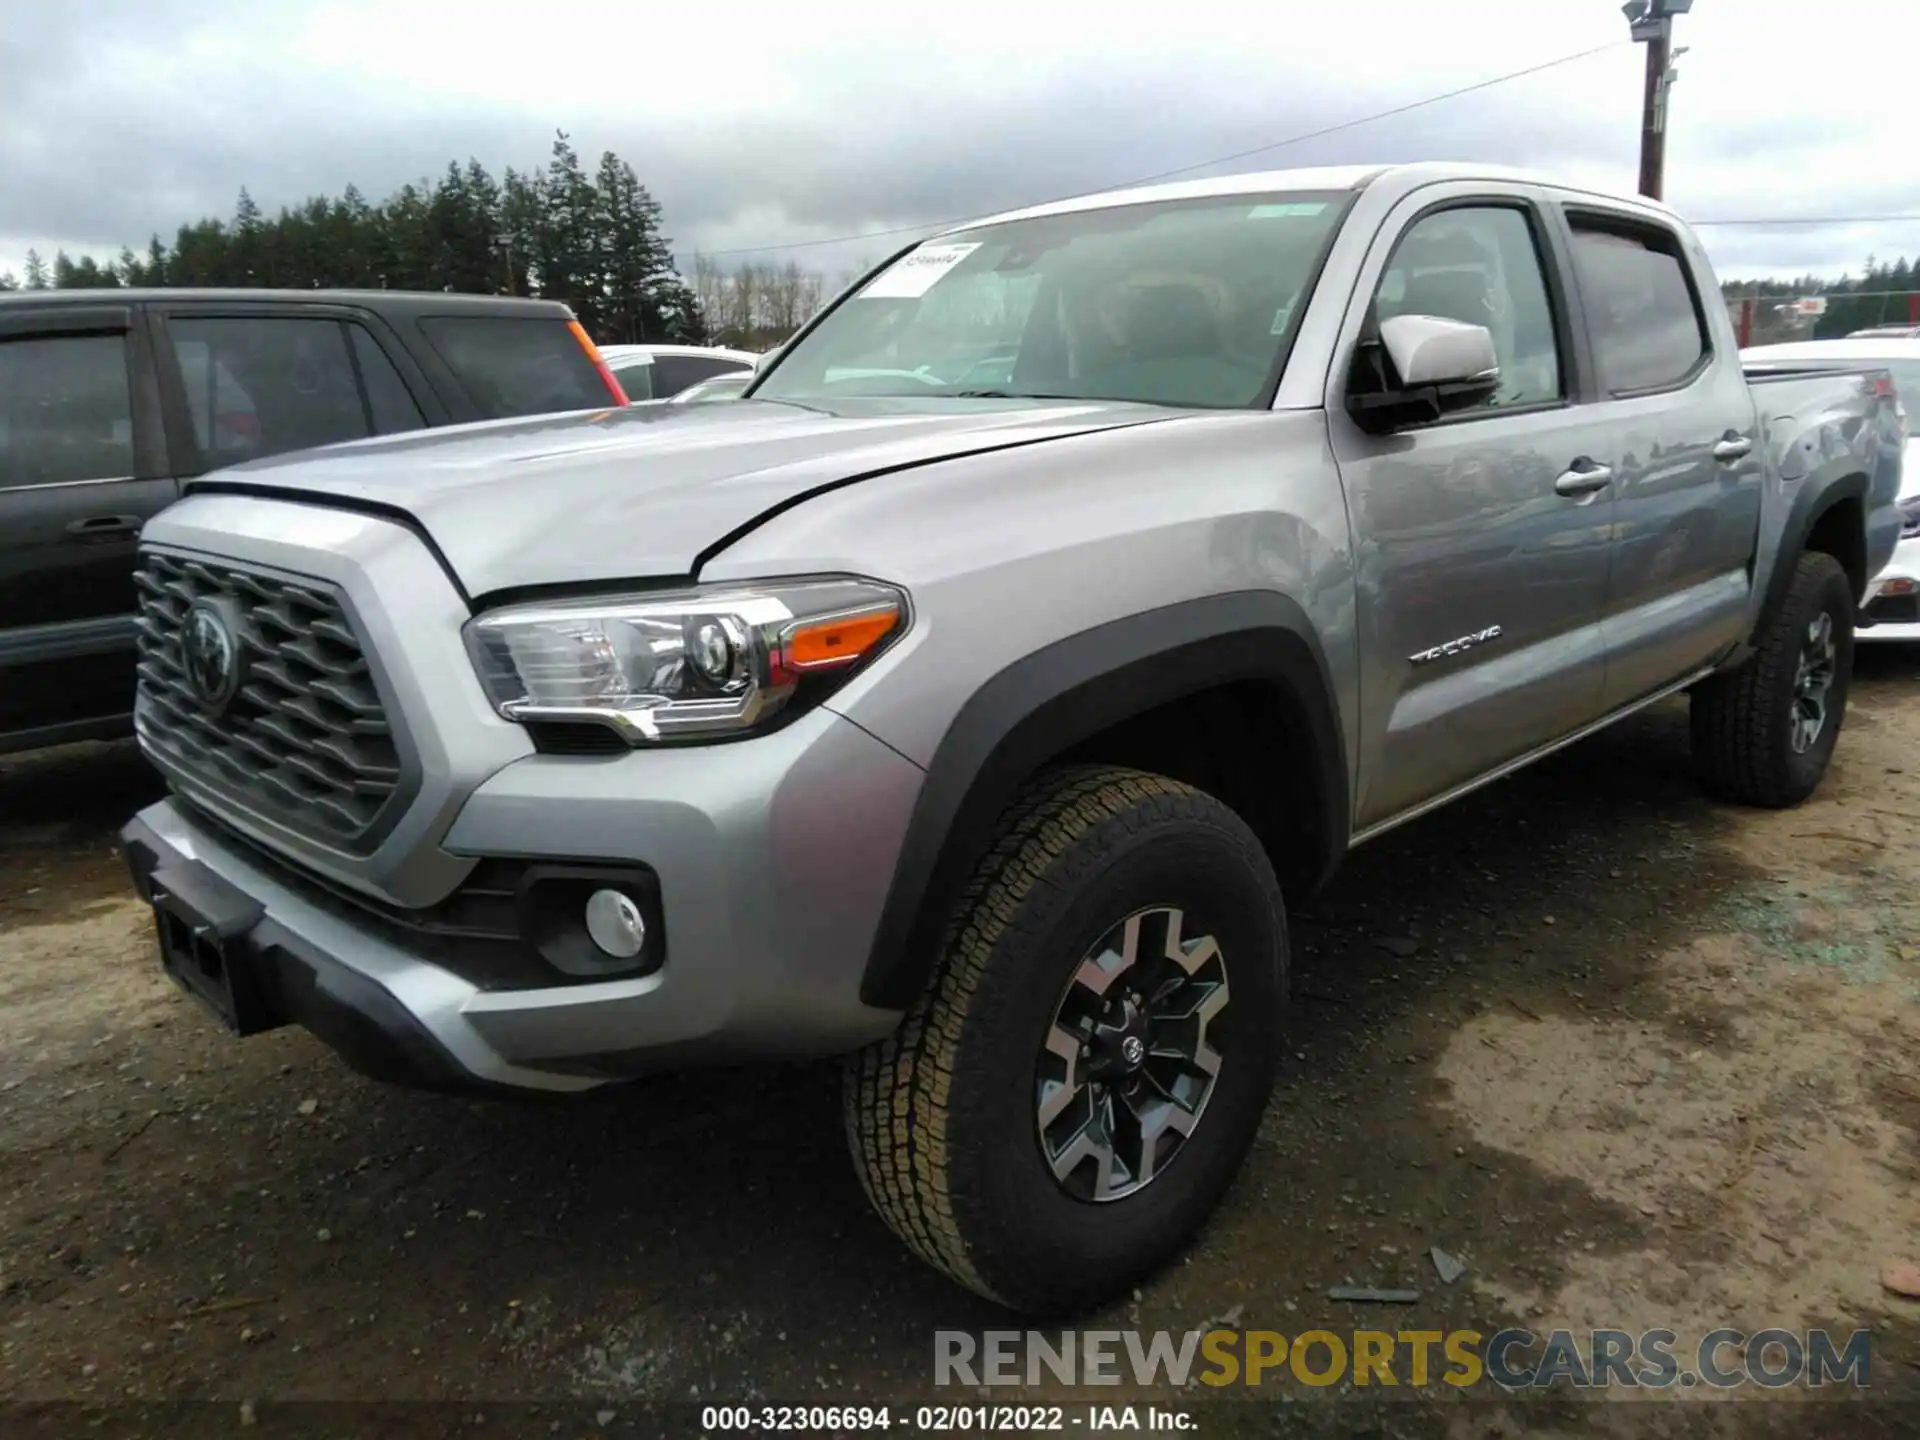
(1652,22)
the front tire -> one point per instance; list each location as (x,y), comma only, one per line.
(1068,1100)
(1763,734)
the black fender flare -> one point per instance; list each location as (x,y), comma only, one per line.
(1045,703)
(1813,499)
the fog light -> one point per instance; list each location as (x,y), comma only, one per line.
(1901,586)
(615,924)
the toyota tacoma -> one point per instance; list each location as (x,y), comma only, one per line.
(972,698)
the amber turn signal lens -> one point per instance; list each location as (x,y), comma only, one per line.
(823,644)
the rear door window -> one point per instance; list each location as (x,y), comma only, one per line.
(513,366)
(1649,332)
(263,385)
(66,410)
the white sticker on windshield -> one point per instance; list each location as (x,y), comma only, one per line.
(1295,207)
(913,275)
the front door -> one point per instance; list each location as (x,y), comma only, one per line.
(1481,540)
(82,467)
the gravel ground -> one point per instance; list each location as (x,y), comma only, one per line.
(1635,1059)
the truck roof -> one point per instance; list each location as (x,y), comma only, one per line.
(413,301)
(1329,177)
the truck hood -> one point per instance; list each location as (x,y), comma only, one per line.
(646,491)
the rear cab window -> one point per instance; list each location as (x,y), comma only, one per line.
(1649,331)
(514,366)
(66,410)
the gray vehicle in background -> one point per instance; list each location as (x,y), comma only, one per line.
(111,399)
(983,733)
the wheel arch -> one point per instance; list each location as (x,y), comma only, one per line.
(1831,518)
(1229,664)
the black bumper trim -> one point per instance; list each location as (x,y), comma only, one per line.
(298,984)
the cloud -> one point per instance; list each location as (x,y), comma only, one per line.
(759,123)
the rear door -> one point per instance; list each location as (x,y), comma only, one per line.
(1687,480)
(243,381)
(83,465)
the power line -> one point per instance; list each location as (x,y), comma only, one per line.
(1815,220)
(1200,165)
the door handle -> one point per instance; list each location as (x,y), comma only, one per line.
(1584,481)
(105,527)
(1732,447)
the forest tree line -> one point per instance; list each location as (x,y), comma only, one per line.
(560,233)
(1879,296)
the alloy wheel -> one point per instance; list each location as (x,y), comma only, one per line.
(1131,1057)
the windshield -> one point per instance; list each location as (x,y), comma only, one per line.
(1181,302)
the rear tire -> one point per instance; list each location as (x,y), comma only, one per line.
(1763,734)
(1018,1131)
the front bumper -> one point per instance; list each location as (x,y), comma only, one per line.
(1896,615)
(772,856)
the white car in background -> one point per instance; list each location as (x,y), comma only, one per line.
(657,372)
(1892,607)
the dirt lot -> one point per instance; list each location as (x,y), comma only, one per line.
(1635,1059)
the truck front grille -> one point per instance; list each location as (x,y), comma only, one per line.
(300,736)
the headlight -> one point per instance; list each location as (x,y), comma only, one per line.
(1910,518)
(687,664)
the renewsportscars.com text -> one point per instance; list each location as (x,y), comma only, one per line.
(1513,1359)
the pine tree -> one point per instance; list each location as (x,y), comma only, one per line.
(36,271)
(522,216)
(349,239)
(246,260)
(569,259)
(627,223)
(483,245)
(463,221)
(403,253)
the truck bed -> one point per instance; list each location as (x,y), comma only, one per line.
(1817,421)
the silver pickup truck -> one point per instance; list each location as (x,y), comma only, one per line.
(972,698)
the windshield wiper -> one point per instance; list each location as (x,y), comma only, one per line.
(1011,395)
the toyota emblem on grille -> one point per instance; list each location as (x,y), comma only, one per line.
(211,652)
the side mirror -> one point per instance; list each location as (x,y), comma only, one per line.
(1433,367)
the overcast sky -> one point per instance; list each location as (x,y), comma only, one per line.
(760,123)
